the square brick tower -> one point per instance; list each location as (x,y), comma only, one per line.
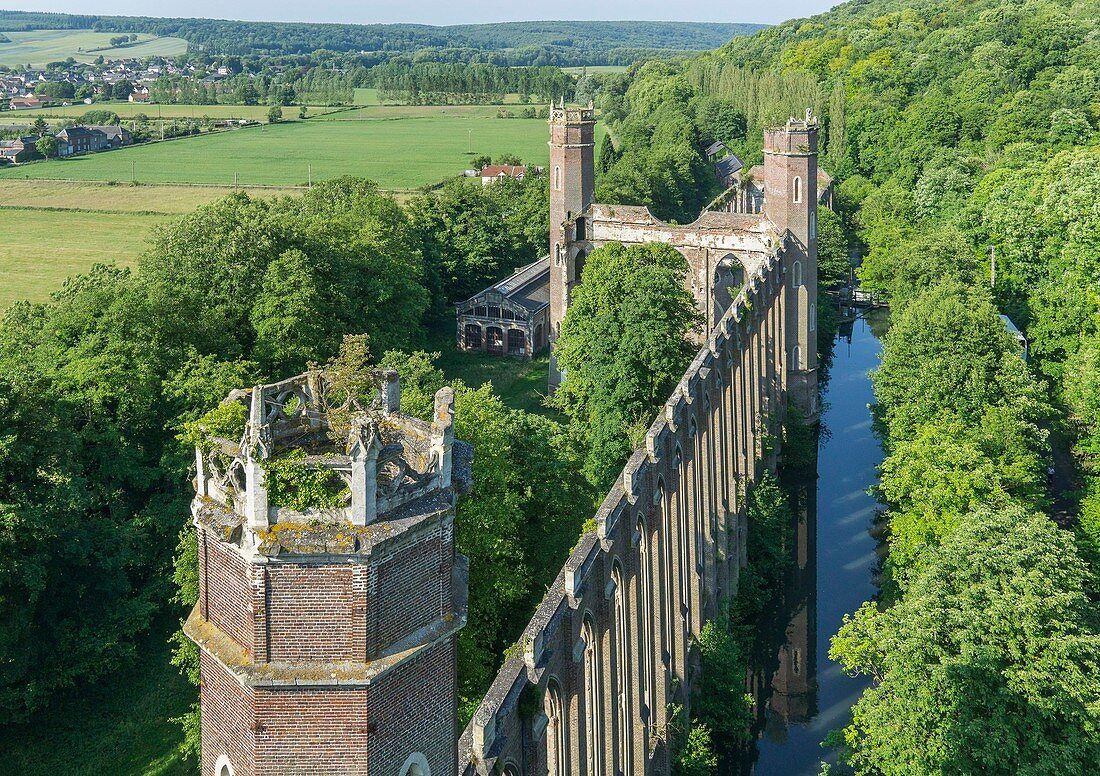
(572,189)
(330,592)
(790,202)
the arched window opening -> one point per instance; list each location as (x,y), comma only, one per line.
(556,731)
(813,225)
(473,336)
(517,342)
(683,554)
(813,316)
(416,765)
(593,706)
(578,265)
(797,193)
(646,625)
(796,273)
(580,232)
(796,357)
(621,636)
(664,560)
(557,178)
(494,340)
(223,767)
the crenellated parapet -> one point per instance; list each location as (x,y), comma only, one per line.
(612,643)
(376,458)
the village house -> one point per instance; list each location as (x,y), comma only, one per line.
(19,150)
(117,136)
(495,172)
(140,94)
(27,102)
(80,140)
(511,317)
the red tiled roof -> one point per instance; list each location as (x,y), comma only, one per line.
(495,170)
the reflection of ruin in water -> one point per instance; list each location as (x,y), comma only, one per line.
(800,694)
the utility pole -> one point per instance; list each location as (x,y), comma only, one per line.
(309,175)
(469,141)
(132,168)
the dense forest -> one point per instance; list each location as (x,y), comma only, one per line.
(963,136)
(559,43)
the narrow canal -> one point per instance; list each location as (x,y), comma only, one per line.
(833,571)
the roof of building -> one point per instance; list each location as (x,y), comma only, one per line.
(528,286)
(729,165)
(111,130)
(71,132)
(715,147)
(496,170)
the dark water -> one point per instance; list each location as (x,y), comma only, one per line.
(808,695)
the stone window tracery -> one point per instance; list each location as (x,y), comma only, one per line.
(620,645)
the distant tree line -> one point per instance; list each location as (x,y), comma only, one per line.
(517,43)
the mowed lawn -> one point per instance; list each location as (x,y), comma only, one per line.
(54,229)
(37,47)
(396,153)
(43,247)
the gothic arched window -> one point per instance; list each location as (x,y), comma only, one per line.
(593,704)
(813,225)
(646,623)
(813,316)
(556,730)
(622,674)
(796,273)
(797,192)
(557,178)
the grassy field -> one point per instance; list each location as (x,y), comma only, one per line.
(397,153)
(37,47)
(127,110)
(364,96)
(55,229)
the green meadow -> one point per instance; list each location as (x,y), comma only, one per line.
(37,47)
(395,152)
(54,229)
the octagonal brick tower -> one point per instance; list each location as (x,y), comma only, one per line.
(330,594)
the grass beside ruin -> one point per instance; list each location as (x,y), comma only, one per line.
(120,724)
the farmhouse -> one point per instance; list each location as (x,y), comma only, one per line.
(511,317)
(28,102)
(495,172)
(117,136)
(80,140)
(19,150)
(140,94)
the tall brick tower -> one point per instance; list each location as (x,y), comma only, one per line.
(790,202)
(572,187)
(330,593)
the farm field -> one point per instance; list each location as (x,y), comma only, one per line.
(37,47)
(397,153)
(55,229)
(127,110)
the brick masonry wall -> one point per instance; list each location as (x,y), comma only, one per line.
(415,712)
(227,591)
(309,732)
(227,719)
(410,589)
(315,613)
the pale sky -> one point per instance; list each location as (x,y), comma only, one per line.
(440,11)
